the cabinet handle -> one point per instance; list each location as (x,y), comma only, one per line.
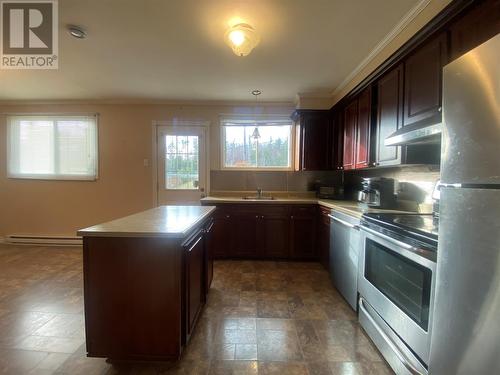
(291,217)
(256,216)
(262,217)
(440,109)
(228,216)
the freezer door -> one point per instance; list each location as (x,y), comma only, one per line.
(470,151)
(466,329)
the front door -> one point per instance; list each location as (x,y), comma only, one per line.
(181,164)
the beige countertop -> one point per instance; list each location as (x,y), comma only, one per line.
(163,221)
(349,207)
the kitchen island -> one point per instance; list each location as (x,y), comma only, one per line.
(145,282)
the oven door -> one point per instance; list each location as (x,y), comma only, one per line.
(397,281)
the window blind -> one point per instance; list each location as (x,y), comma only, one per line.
(52,147)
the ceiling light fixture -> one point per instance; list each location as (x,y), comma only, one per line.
(242,39)
(77,32)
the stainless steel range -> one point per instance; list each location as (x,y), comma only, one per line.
(396,281)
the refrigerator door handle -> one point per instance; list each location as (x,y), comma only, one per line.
(406,363)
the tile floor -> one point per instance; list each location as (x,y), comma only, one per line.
(261,318)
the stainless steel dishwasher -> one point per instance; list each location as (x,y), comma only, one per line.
(344,252)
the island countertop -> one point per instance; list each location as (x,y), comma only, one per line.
(162,221)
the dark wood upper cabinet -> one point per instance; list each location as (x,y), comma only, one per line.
(357,126)
(350,124)
(337,139)
(423,81)
(389,116)
(313,139)
(362,154)
(479,24)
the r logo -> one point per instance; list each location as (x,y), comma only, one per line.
(29,32)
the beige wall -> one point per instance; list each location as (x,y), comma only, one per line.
(124,185)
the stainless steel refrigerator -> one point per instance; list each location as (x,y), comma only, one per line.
(466,323)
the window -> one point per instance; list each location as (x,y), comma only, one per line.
(257,144)
(52,147)
(182,159)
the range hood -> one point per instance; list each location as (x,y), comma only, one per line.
(417,133)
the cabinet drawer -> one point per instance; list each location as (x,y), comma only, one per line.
(309,210)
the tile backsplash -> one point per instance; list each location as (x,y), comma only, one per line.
(416,183)
(271,181)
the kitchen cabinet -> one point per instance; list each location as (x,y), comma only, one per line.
(222,234)
(303,232)
(337,140)
(274,234)
(324,236)
(195,292)
(362,154)
(209,255)
(389,116)
(144,290)
(350,120)
(265,231)
(245,230)
(423,81)
(476,26)
(313,141)
(357,126)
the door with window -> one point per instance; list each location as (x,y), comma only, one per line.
(181,164)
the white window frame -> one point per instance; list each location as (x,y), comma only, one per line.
(56,177)
(250,120)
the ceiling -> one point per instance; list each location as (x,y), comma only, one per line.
(174,50)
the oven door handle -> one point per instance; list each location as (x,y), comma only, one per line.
(401,356)
(343,222)
(423,252)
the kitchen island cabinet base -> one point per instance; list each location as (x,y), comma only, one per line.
(143,295)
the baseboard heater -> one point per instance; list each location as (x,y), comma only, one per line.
(43,240)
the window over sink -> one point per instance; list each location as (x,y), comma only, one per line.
(257,143)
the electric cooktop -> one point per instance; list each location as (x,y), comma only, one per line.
(419,227)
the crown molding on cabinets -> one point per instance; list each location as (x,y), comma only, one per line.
(405,21)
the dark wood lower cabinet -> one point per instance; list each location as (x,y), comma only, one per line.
(195,264)
(143,295)
(274,236)
(260,231)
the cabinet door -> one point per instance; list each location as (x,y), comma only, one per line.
(245,229)
(350,121)
(337,139)
(195,292)
(314,140)
(222,234)
(303,232)
(389,115)
(362,150)
(478,25)
(209,255)
(423,81)
(274,236)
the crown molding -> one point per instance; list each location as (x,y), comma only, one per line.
(156,102)
(400,26)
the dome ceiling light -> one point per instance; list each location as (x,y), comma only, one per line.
(77,31)
(242,39)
